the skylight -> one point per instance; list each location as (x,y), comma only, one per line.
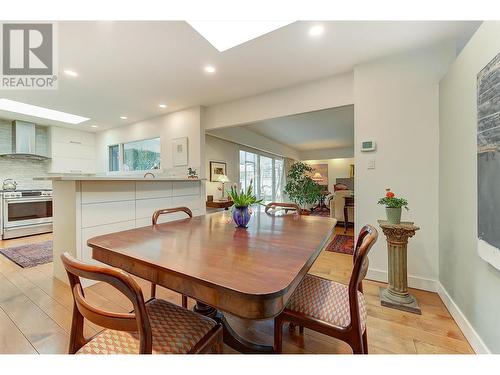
(224,35)
(41,112)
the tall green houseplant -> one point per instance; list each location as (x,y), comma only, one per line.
(300,187)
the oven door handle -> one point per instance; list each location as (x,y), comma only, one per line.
(27,200)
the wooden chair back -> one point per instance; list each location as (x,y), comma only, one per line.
(366,239)
(138,321)
(157,213)
(285,206)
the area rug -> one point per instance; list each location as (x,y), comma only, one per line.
(29,255)
(342,244)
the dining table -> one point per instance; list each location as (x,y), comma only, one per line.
(233,274)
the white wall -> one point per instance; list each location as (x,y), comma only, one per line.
(185,123)
(222,151)
(311,96)
(471,283)
(248,138)
(330,153)
(337,168)
(396,104)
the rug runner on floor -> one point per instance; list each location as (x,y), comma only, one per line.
(29,255)
(342,244)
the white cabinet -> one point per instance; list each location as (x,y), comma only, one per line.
(72,151)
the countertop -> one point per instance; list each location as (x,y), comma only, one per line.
(112,178)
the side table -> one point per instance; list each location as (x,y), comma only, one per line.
(348,202)
(396,294)
(219,204)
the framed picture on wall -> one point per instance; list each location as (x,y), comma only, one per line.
(217,169)
(180,151)
(488,162)
(320,173)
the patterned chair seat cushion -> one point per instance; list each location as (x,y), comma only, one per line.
(175,330)
(326,300)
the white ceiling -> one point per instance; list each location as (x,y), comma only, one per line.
(128,68)
(325,129)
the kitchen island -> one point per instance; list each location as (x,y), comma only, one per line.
(87,206)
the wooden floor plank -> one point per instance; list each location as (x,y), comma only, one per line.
(56,311)
(43,333)
(12,341)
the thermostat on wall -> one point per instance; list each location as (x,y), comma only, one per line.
(368,146)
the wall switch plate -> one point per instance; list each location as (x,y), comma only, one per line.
(371,164)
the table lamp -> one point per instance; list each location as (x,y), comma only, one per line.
(223,179)
(317,177)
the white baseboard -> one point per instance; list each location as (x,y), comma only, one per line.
(413,281)
(467,329)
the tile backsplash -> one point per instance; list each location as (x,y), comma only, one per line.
(21,170)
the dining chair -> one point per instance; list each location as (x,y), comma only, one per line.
(154,220)
(154,327)
(272,207)
(329,307)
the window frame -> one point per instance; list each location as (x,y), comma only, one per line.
(121,158)
(257,172)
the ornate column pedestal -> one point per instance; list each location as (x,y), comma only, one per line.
(396,294)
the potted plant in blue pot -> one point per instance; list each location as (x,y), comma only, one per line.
(242,201)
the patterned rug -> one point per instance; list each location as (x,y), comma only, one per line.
(29,255)
(342,244)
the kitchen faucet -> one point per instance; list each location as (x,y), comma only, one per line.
(145,174)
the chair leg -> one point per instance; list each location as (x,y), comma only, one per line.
(278,335)
(153,290)
(301,330)
(365,343)
(184,301)
(356,343)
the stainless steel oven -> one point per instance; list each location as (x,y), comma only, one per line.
(26,213)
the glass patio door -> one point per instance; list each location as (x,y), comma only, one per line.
(266,185)
(248,169)
(266,173)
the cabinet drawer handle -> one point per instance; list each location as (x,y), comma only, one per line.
(76,142)
(75,170)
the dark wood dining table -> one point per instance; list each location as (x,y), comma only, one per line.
(245,273)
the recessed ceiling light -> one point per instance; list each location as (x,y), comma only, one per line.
(224,35)
(71,73)
(94,126)
(162,105)
(316,30)
(209,69)
(41,112)
(123,117)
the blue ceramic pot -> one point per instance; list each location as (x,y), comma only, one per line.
(241,216)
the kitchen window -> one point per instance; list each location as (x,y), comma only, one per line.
(267,173)
(143,155)
(114,158)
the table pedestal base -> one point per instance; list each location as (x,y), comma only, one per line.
(231,337)
(405,302)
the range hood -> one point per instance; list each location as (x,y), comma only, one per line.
(23,142)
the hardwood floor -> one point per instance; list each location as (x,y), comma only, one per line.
(35,313)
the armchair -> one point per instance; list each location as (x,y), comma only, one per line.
(337,206)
